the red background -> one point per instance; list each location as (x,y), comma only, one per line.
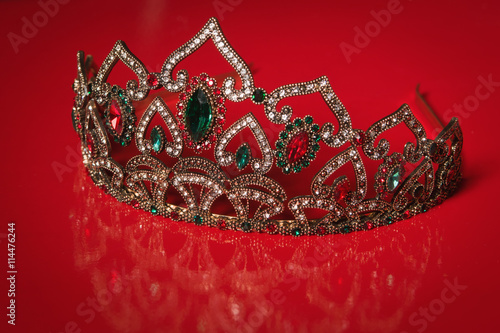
(75,244)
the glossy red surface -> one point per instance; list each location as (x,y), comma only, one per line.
(87,263)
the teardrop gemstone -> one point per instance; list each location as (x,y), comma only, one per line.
(242,157)
(394,179)
(297,147)
(115,117)
(156,140)
(198,115)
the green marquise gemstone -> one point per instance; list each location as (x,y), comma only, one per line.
(156,140)
(393,179)
(198,115)
(242,157)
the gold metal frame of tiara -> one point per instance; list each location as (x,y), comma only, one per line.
(105,112)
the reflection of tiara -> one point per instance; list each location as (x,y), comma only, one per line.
(191,151)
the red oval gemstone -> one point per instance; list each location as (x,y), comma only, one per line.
(115,117)
(297,147)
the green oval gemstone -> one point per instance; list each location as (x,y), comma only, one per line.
(156,140)
(393,179)
(308,119)
(198,115)
(242,157)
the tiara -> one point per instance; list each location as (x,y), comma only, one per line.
(189,164)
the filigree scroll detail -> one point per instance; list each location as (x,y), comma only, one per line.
(96,140)
(297,206)
(154,171)
(413,187)
(112,185)
(173,149)
(321,85)
(226,158)
(212,183)
(211,30)
(136,90)
(412,153)
(269,193)
(320,190)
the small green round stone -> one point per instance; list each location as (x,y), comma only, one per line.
(283,135)
(246,226)
(259,95)
(296,232)
(128,109)
(308,120)
(312,155)
(316,138)
(123,143)
(297,122)
(315,147)
(346,229)
(120,93)
(281,163)
(279,154)
(297,168)
(154,210)
(289,127)
(315,127)
(305,163)
(279,144)
(197,219)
